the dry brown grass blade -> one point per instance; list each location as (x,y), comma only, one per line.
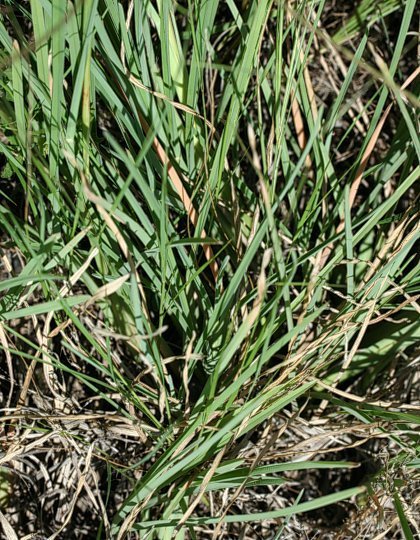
(208,476)
(108,289)
(103,292)
(355,347)
(109,221)
(329,440)
(398,237)
(309,88)
(131,519)
(175,104)
(80,484)
(7,528)
(124,248)
(255,462)
(117,233)
(17,448)
(6,349)
(299,127)
(412,301)
(47,335)
(185,378)
(358,399)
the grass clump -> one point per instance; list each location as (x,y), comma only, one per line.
(209,295)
